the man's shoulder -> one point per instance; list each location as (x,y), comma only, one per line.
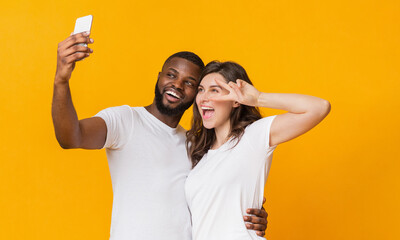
(123,109)
(121,113)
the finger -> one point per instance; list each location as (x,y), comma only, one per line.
(77,38)
(259,227)
(79,42)
(231,84)
(64,41)
(257,212)
(73,36)
(249,226)
(76,57)
(256,220)
(236,89)
(76,48)
(263,209)
(264,200)
(260,233)
(239,82)
(223,84)
(264,213)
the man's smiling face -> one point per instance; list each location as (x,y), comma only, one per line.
(176,87)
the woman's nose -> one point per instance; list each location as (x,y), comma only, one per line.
(203,97)
(207,96)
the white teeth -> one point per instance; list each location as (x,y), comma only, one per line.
(173,94)
(207,108)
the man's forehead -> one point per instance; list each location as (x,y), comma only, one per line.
(181,64)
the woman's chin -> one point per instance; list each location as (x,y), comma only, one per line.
(208,125)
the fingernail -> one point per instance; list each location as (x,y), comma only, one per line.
(87,33)
(90,50)
(247,225)
(246,218)
(91,40)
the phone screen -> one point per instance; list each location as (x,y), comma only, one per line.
(83,24)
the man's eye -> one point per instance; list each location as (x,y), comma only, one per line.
(170,75)
(189,83)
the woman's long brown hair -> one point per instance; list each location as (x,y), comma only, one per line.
(199,139)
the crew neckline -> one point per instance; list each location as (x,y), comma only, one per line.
(223,146)
(159,122)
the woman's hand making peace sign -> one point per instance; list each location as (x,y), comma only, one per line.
(241,92)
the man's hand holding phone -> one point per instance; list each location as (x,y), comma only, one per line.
(69,52)
(74,48)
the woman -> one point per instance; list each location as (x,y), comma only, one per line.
(231,145)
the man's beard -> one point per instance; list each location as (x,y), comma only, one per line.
(178,110)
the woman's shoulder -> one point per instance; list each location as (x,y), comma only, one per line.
(258,133)
(261,124)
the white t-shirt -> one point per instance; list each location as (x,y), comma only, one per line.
(148,165)
(227,181)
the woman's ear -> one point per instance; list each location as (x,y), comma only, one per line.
(236,104)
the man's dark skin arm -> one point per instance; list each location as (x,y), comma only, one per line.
(70,132)
(259,221)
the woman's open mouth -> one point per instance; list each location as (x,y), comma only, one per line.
(207,112)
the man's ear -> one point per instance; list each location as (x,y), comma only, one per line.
(236,104)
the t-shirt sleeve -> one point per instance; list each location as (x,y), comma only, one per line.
(258,133)
(119,121)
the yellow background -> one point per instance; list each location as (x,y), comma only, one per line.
(339,181)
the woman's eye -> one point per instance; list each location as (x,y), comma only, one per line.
(199,90)
(214,90)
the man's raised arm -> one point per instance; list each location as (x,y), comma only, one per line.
(70,132)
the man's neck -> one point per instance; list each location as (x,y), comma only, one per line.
(171,121)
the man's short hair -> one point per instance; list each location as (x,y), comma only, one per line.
(192,57)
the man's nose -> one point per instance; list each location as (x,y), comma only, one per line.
(178,84)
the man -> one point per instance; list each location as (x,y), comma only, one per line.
(145,146)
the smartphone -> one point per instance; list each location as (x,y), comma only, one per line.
(83,24)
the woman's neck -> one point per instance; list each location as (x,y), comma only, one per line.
(221,133)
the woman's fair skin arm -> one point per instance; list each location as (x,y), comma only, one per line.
(304,111)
